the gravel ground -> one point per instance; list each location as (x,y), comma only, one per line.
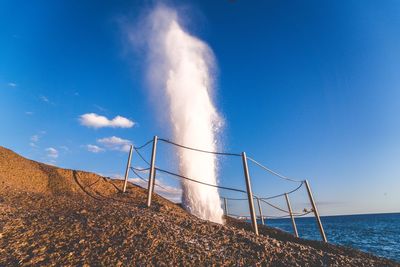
(53,216)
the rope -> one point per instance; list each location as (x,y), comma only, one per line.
(271,197)
(271,217)
(276,207)
(140,155)
(294,190)
(287,216)
(139,169)
(303,214)
(235,198)
(217,153)
(265,217)
(140,177)
(200,150)
(196,181)
(135,170)
(275,173)
(272,205)
(145,144)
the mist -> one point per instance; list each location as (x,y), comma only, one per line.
(180,69)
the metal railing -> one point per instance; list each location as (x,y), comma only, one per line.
(152,169)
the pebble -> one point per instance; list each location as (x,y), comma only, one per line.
(101,227)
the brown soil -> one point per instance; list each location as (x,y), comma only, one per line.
(54,216)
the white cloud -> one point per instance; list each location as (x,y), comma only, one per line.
(94,148)
(97,121)
(115,143)
(44,99)
(28,113)
(52,152)
(32,144)
(35,138)
(12,84)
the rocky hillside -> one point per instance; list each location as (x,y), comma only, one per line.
(54,216)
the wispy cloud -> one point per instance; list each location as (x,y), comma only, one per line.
(12,84)
(35,138)
(52,152)
(94,148)
(32,144)
(44,99)
(28,113)
(94,120)
(115,143)
(100,108)
(65,148)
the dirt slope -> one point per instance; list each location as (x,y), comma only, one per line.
(53,216)
(18,173)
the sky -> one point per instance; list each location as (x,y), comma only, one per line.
(309,88)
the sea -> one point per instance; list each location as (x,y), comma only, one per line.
(378,234)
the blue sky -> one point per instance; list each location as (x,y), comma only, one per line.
(310,88)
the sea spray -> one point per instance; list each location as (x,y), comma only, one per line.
(181,68)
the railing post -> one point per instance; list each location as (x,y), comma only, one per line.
(128,165)
(260,210)
(315,210)
(150,186)
(226,207)
(291,215)
(249,194)
(154,181)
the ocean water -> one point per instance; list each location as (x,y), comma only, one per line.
(378,234)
